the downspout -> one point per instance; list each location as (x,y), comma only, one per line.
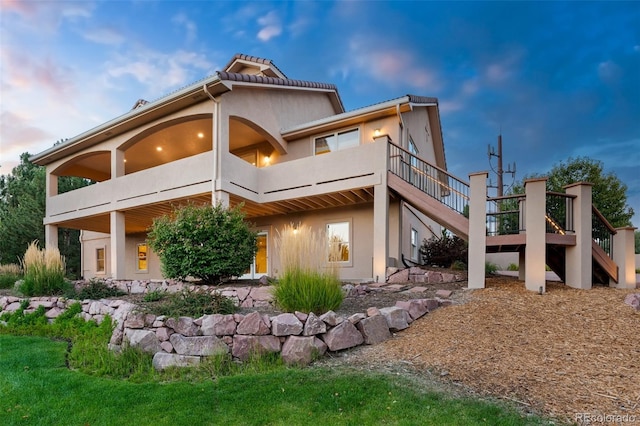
(216,141)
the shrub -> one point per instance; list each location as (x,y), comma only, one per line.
(444,251)
(513,267)
(458,265)
(490,268)
(9,274)
(309,282)
(97,289)
(210,243)
(154,296)
(43,272)
(194,304)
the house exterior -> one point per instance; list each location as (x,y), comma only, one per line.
(286,149)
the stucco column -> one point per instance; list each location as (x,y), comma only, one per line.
(624,257)
(535,226)
(381,211)
(117,245)
(117,163)
(477,229)
(51,236)
(578,259)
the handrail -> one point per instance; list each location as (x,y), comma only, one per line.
(604,220)
(428,178)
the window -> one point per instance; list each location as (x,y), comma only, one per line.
(337,141)
(339,238)
(100,260)
(142,257)
(414,244)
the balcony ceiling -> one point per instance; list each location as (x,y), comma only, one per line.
(138,220)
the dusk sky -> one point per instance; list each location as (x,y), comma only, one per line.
(558,79)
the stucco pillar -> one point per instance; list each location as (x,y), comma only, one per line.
(579,258)
(477,229)
(117,163)
(51,236)
(117,245)
(624,257)
(522,265)
(221,197)
(51,182)
(381,211)
(535,226)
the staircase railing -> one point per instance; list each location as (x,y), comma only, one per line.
(430,179)
(602,231)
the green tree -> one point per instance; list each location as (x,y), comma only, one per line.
(211,243)
(637,235)
(22,208)
(609,192)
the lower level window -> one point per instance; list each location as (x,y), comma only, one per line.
(100,263)
(414,244)
(338,235)
(142,257)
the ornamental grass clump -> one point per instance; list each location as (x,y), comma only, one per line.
(9,274)
(309,282)
(43,272)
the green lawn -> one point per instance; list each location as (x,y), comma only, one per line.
(36,387)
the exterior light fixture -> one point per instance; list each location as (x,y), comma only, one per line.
(200,135)
(267,160)
(159,148)
(376,133)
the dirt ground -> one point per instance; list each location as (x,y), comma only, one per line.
(559,354)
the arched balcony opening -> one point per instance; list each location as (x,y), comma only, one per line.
(83,170)
(251,143)
(168,142)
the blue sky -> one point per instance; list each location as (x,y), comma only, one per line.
(558,79)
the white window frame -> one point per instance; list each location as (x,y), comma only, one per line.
(138,257)
(104,260)
(349,242)
(414,238)
(336,136)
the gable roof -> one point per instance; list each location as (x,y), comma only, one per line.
(241,62)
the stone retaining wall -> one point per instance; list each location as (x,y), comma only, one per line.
(184,341)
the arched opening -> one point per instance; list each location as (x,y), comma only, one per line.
(251,143)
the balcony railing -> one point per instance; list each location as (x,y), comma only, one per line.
(432,180)
(504,215)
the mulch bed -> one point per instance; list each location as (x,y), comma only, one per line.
(565,352)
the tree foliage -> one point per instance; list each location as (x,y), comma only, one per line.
(211,243)
(22,208)
(637,237)
(609,192)
(444,251)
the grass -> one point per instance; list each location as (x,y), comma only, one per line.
(309,282)
(9,274)
(190,304)
(38,387)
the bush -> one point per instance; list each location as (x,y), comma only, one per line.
(43,272)
(444,251)
(9,274)
(490,268)
(211,243)
(309,282)
(97,289)
(194,304)
(513,267)
(154,296)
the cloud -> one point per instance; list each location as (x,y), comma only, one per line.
(159,71)
(46,16)
(270,26)
(190,26)
(391,66)
(105,35)
(23,71)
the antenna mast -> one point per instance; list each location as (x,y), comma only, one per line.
(500,171)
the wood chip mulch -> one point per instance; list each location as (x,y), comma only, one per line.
(565,352)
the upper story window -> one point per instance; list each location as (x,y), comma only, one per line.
(337,141)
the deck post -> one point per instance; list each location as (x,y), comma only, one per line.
(51,236)
(477,229)
(535,226)
(380,209)
(118,245)
(624,257)
(579,257)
